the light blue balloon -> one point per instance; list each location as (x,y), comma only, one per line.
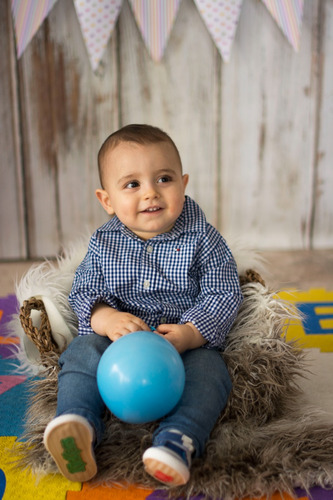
(141,377)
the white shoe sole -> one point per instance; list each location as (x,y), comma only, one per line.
(69,440)
(164,466)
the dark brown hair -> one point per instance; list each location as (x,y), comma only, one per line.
(137,133)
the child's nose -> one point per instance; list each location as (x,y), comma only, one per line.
(151,191)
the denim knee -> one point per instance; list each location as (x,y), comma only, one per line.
(84,353)
(77,383)
(206,392)
(209,364)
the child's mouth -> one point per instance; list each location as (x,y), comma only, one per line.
(152,209)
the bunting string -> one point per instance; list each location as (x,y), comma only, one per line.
(155,20)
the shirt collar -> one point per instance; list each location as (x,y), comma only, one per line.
(191,220)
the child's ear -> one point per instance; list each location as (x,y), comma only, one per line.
(104,200)
(185,180)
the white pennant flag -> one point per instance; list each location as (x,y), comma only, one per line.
(221,18)
(288,15)
(155,19)
(97,19)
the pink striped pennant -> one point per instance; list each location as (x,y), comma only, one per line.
(155,20)
(288,15)
(28,15)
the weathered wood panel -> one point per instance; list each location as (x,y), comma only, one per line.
(268,128)
(67,111)
(322,235)
(178,94)
(12,231)
(254,134)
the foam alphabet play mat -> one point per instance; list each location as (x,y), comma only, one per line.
(315,330)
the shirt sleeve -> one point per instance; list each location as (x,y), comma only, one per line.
(220,296)
(89,287)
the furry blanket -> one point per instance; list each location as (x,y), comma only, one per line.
(268,439)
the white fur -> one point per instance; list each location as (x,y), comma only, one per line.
(51,281)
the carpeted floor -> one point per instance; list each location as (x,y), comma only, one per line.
(315,332)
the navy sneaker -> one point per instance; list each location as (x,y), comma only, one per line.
(170,461)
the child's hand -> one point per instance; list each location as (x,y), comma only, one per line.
(182,337)
(114,324)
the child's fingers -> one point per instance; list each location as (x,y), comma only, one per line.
(165,328)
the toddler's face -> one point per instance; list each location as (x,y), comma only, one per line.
(144,187)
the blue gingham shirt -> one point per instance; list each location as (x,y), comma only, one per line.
(185,275)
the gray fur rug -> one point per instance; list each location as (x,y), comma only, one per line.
(267,440)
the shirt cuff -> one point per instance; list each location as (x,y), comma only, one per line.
(213,329)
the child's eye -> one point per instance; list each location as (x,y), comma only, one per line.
(164,178)
(132,185)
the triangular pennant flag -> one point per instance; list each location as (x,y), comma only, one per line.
(155,19)
(28,16)
(97,19)
(288,15)
(221,18)
(9,381)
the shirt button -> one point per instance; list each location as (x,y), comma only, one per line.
(146,284)
(150,249)
(163,320)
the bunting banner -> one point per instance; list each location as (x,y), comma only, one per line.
(97,19)
(288,15)
(155,20)
(28,15)
(221,18)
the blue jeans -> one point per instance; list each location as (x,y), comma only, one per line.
(207,387)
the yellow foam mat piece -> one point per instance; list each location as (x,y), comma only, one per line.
(295,330)
(22,485)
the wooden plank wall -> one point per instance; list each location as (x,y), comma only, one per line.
(255,134)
